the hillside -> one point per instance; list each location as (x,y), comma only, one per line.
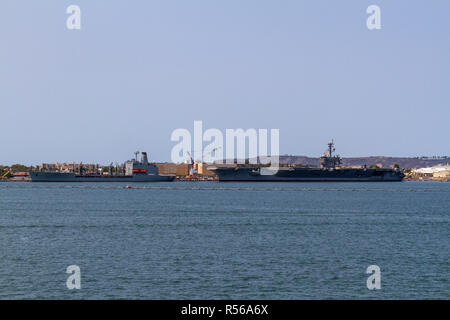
(359,161)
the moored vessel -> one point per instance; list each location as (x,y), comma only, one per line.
(134,171)
(329,170)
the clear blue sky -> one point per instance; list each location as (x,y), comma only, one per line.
(137,70)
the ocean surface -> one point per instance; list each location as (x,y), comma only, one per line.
(211,240)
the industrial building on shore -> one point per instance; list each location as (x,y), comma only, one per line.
(183,169)
(438,172)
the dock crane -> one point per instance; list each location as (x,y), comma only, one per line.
(5,175)
(192,170)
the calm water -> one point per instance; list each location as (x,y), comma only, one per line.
(225,240)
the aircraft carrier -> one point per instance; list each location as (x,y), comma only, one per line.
(135,171)
(330,170)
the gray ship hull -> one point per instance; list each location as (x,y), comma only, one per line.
(306,175)
(72,177)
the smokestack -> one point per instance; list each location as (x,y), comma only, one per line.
(144,159)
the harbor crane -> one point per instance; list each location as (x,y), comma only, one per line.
(192,170)
(5,175)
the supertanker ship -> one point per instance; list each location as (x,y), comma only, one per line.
(135,171)
(329,171)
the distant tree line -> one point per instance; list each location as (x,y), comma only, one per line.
(15,168)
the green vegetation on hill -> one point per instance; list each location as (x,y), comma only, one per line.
(15,168)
